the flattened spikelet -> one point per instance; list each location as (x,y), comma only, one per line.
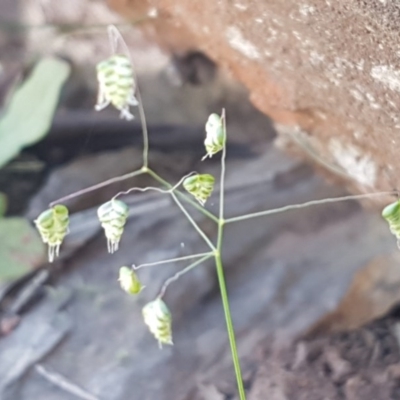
(116,85)
(129,281)
(215,135)
(158,318)
(52,225)
(200,186)
(392,215)
(112,216)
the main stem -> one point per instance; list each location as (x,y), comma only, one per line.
(221,276)
(229,323)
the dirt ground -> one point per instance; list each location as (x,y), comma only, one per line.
(357,365)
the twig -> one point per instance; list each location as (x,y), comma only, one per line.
(146,189)
(307,204)
(180,273)
(171,260)
(61,382)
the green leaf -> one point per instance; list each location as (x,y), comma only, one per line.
(30,111)
(3,204)
(21,248)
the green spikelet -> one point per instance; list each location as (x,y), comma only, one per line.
(116,85)
(129,281)
(158,318)
(215,135)
(200,186)
(112,216)
(392,215)
(52,225)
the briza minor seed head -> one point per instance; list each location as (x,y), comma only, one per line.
(392,215)
(52,225)
(200,186)
(215,135)
(129,281)
(116,85)
(158,318)
(112,216)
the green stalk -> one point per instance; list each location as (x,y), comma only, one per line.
(144,128)
(193,222)
(97,186)
(229,325)
(171,260)
(175,277)
(221,276)
(305,205)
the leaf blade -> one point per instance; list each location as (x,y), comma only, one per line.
(30,111)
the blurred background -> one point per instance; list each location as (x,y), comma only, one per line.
(314,292)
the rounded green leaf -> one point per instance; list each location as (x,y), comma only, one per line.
(29,114)
(3,204)
(21,248)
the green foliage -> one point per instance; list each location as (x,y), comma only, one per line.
(20,248)
(3,204)
(28,116)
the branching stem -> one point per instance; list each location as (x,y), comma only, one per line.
(144,128)
(305,205)
(156,189)
(193,222)
(180,273)
(171,260)
(97,186)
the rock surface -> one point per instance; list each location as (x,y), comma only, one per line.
(285,272)
(328,70)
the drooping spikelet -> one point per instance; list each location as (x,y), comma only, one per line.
(158,318)
(392,215)
(200,186)
(112,216)
(215,135)
(52,225)
(129,281)
(116,85)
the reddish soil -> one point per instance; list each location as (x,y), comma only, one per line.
(360,365)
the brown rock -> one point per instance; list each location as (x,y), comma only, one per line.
(372,293)
(328,69)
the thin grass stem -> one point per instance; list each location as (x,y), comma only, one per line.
(193,222)
(221,275)
(180,273)
(156,189)
(171,260)
(305,205)
(97,186)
